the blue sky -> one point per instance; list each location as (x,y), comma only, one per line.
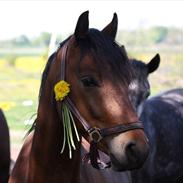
(60,17)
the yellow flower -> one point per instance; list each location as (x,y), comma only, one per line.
(6,106)
(61,90)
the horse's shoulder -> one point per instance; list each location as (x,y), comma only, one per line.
(22,163)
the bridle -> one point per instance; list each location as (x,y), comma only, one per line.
(95,134)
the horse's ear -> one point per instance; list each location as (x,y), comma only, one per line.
(154,63)
(82,26)
(111,28)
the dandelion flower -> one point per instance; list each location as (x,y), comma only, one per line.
(61,90)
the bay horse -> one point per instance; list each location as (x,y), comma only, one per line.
(4,149)
(98,74)
(162,117)
(139,89)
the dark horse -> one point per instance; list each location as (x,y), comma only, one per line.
(4,149)
(162,116)
(139,91)
(139,87)
(99,74)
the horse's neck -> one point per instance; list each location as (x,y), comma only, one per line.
(47,164)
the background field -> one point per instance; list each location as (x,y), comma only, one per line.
(22,62)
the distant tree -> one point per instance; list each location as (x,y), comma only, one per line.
(22,41)
(59,39)
(175,36)
(158,34)
(42,40)
(143,37)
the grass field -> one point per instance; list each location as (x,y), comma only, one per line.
(19,89)
(20,82)
(18,96)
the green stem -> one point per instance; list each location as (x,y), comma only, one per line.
(75,129)
(63,146)
(67,130)
(67,127)
(70,128)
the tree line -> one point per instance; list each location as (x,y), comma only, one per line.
(139,37)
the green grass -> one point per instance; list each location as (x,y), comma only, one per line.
(17,87)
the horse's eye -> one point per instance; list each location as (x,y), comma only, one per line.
(89,81)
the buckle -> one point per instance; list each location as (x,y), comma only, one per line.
(95,134)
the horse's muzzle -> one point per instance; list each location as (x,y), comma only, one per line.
(127,153)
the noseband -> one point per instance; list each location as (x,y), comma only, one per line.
(95,134)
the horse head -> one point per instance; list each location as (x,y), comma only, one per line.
(139,87)
(99,74)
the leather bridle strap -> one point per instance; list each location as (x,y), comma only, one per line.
(95,134)
(121,128)
(67,100)
(76,113)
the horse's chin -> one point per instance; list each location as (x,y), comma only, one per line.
(124,165)
(123,168)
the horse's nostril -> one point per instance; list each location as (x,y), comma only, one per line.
(131,152)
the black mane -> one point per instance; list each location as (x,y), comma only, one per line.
(106,51)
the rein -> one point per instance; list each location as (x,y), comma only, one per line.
(95,134)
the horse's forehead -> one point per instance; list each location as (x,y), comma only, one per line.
(94,63)
(141,76)
(87,62)
(141,70)
(134,85)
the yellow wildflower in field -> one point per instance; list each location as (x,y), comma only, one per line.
(61,90)
(6,106)
(2,63)
(30,64)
